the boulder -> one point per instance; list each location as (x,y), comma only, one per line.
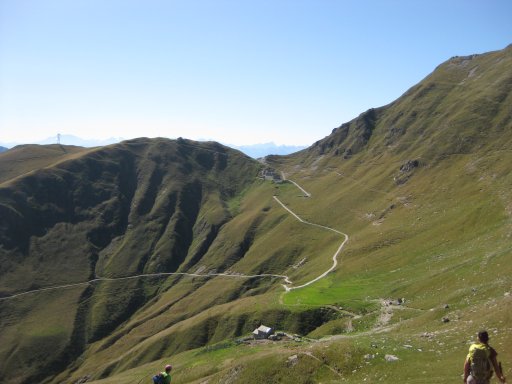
(293,360)
(409,165)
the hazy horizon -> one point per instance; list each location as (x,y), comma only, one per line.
(256,151)
(234,72)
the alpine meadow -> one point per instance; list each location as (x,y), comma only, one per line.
(376,254)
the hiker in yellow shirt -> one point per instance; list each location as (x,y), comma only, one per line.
(480,361)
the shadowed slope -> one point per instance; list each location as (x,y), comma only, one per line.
(421,186)
(116,211)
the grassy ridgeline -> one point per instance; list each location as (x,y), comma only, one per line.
(422,187)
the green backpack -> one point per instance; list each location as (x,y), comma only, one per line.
(479,359)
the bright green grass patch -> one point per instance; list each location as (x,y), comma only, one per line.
(354,291)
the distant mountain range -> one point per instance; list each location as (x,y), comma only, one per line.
(253,150)
(257,151)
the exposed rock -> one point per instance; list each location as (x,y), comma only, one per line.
(409,165)
(83,379)
(406,171)
(293,360)
(391,358)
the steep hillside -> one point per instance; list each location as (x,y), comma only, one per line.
(117,255)
(182,250)
(422,187)
(143,206)
(463,106)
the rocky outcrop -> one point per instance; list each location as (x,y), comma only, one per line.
(406,171)
(349,138)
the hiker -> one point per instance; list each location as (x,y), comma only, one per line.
(163,377)
(477,366)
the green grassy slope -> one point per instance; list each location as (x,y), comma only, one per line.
(25,158)
(424,195)
(145,206)
(142,206)
(422,187)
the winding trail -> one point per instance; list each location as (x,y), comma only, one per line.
(306,193)
(100,279)
(287,280)
(334,257)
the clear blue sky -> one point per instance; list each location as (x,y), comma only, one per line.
(239,72)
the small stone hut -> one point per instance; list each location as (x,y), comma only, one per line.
(262,332)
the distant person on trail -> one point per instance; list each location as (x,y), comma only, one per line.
(481,359)
(163,377)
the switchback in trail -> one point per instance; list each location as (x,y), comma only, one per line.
(287,281)
(334,257)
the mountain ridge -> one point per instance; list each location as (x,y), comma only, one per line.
(253,150)
(408,110)
(421,186)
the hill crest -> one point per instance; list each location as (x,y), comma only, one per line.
(421,186)
(445,109)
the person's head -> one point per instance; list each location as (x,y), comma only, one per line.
(168,368)
(483,336)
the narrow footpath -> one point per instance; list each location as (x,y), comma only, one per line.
(287,286)
(334,257)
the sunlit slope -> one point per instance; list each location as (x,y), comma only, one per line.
(422,187)
(462,107)
(25,158)
(427,200)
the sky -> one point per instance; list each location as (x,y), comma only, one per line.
(233,71)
